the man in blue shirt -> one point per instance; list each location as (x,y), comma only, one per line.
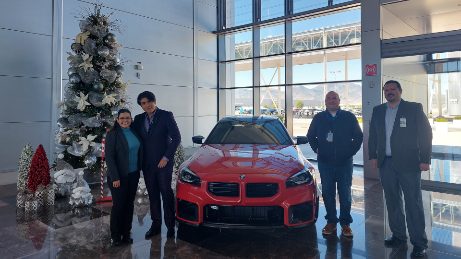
(335,135)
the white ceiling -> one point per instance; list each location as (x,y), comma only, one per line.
(414,17)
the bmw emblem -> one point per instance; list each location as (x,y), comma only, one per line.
(242,176)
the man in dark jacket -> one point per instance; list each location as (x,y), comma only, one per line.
(160,137)
(335,136)
(400,145)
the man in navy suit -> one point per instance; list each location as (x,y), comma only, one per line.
(160,136)
(400,145)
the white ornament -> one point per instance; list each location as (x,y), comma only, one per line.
(86,64)
(109,99)
(86,142)
(82,101)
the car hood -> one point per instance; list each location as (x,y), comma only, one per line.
(248,159)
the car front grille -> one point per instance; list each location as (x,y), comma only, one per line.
(258,190)
(244,215)
(224,189)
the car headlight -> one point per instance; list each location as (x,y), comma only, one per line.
(189,177)
(302,177)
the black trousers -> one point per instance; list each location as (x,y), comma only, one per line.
(121,215)
(159,183)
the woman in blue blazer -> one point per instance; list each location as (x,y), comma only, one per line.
(124,160)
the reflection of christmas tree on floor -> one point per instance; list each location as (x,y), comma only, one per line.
(93,94)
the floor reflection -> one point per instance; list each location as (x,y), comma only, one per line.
(84,233)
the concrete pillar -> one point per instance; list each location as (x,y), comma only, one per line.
(371,82)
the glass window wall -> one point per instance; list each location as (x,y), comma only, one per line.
(433,80)
(324,55)
(272,9)
(272,101)
(239,45)
(239,73)
(272,70)
(272,40)
(238,12)
(303,5)
(333,30)
(238,101)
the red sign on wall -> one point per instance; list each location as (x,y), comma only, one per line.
(371,69)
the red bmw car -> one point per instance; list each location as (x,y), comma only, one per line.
(247,174)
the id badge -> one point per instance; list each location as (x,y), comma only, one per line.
(330,136)
(403,122)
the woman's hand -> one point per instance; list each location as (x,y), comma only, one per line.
(116,184)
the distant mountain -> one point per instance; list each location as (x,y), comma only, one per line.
(311,95)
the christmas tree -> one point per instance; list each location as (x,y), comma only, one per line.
(94,93)
(39,173)
(23,167)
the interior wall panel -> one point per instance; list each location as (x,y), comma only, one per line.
(175,99)
(147,34)
(20,134)
(171,11)
(27,99)
(207,49)
(207,74)
(25,15)
(159,69)
(207,102)
(185,124)
(25,54)
(206,16)
(205,125)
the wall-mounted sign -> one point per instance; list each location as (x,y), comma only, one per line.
(371,69)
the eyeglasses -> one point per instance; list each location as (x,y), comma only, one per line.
(124,118)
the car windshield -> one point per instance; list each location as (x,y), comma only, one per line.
(249,132)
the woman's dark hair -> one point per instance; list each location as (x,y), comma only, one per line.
(394,82)
(146,94)
(116,125)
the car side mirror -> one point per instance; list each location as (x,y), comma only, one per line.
(197,139)
(301,140)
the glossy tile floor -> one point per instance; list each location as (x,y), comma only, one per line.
(84,233)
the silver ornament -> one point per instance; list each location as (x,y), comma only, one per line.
(97,149)
(103,51)
(71,70)
(89,76)
(60,147)
(74,79)
(76,47)
(110,38)
(98,86)
(119,69)
(95,99)
(63,122)
(90,160)
(93,122)
(75,120)
(90,47)
(76,149)
(108,75)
